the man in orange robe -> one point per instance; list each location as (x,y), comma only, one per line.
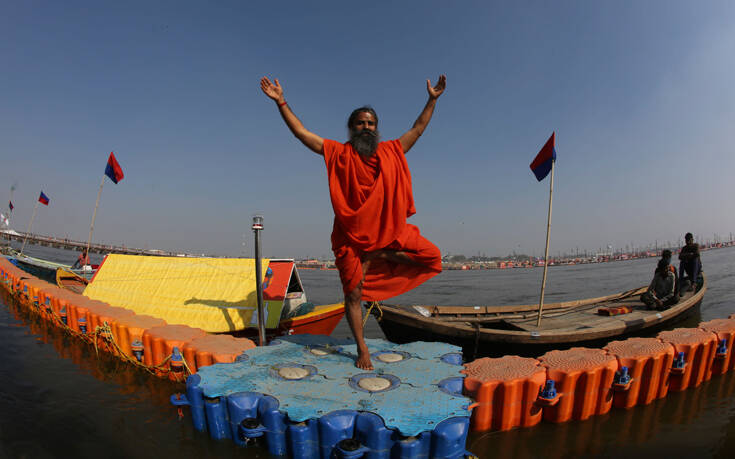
(377,253)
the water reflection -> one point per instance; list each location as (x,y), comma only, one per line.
(696,420)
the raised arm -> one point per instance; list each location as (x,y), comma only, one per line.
(413,134)
(312,141)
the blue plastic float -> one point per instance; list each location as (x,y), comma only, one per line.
(304,396)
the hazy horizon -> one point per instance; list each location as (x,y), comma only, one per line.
(640,96)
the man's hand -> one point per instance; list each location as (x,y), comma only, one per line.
(274,91)
(436,91)
(658,302)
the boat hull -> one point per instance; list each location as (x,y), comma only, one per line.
(497,346)
(401,326)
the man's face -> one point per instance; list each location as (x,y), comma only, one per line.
(689,240)
(364,120)
(364,135)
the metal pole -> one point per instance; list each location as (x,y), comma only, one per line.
(30,223)
(257,228)
(94,214)
(546,253)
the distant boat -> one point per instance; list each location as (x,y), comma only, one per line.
(46,269)
(500,330)
(70,280)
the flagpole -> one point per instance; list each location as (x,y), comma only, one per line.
(94,214)
(546,252)
(29,228)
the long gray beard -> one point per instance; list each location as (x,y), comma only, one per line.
(365,142)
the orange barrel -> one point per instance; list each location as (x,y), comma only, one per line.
(648,363)
(505,392)
(725,331)
(159,342)
(97,309)
(22,288)
(129,329)
(48,298)
(76,310)
(210,349)
(40,297)
(31,291)
(61,304)
(695,350)
(110,315)
(583,378)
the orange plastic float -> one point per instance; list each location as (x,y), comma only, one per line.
(725,331)
(695,350)
(647,362)
(77,314)
(128,332)
(583,379)
(505,391)
(210,349)
(105,321)
(159,344)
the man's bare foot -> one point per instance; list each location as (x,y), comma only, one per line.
(363,360)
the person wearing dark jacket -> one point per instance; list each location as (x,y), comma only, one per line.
(689,264)
(666,255)
(661,294)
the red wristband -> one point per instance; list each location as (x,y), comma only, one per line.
(282,104)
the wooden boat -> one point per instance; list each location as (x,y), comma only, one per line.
(46,269)
(500,330)
(70,280)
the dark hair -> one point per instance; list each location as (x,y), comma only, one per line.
(666,253)
(688,236)
(357,111)
(662,266)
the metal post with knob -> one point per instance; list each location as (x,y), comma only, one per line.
(257,228)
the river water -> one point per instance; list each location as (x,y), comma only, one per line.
(58,398)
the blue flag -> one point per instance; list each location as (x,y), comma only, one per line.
(541,165)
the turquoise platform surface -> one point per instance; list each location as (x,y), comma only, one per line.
(413,403)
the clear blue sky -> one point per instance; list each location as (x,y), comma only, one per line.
(640,95)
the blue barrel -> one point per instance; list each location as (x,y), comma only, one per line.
(334,427)
(196,401)
(303,439)
(449,438)
(217,423)
(275,424)
(371,432)
(242,409)
(418,447)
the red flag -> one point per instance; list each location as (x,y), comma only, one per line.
(541,165)
(113,169)
(43,199)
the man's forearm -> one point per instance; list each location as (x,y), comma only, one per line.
(290,118)
(423,120)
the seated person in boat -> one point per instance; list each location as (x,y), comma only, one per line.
(666,256)
(82,260)
(378,254)
(689,264)
(661,293)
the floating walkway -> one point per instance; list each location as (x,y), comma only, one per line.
(150,343)
(304,396)
(578,383)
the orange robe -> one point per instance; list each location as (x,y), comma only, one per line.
(372,200)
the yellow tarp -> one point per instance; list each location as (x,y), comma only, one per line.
(214,294)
